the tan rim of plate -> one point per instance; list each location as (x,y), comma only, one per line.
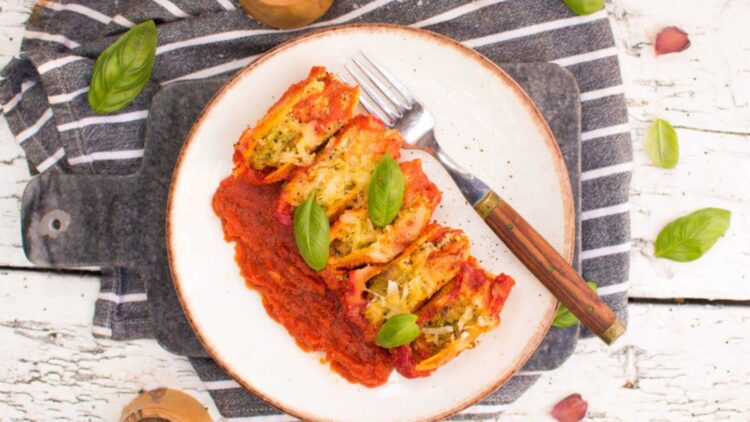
(552,146)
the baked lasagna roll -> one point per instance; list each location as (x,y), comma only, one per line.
(453,319)
(341,171)
(355,241)
(309,113)
(378,292)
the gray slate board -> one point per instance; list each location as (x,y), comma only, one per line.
(91,220)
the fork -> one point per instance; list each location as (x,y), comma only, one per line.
(386,98)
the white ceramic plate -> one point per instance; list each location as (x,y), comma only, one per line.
(483,120)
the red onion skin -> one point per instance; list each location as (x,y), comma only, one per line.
(570,409)
(671,40)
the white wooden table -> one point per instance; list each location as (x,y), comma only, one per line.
(687,349)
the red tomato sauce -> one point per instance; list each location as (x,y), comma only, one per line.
(293,294)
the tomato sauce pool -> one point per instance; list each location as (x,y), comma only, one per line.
(293,294)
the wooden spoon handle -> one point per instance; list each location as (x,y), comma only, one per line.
(549,267)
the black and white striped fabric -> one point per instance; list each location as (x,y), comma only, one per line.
(43,95)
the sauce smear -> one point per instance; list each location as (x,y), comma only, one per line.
(293,294)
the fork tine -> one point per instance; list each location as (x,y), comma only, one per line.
(405,94)
(370,107)
(381,86)
(368,104)
(374,98)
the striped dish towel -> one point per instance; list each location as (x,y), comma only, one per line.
(43,95)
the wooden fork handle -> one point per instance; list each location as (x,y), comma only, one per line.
(549,267)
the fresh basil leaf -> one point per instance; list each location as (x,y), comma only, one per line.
(386,192)
(585,7)
(312,233)
(564,318)
(662,145)
(688,238)
(398,330)
(122,71)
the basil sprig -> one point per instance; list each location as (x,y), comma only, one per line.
(662,145)
(564,318)
(386,192)
(122,71)
(688,238)
(398,330)
(312,233)
(585,7)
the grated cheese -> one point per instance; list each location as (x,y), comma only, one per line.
(465,318)
(395,299)
(447,329)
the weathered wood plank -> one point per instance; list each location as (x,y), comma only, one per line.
(709,175)
(13,17)
(14,172)
(53,369)
(681,362)
(705,93)
(675,362)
